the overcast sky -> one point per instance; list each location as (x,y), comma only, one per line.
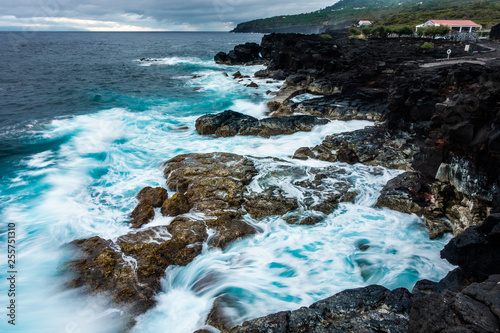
(145,15)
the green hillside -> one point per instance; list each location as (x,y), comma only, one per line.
(386,12)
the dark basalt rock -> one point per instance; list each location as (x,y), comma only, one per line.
(495,32)
(454,110)
(284,125)
(477,249)
(371,146)
(230,123)
(243,54)
(410,193)
(369,309)
(413,193)
(474,309)
(224,124)
(454,281)
(292,52)
(353,106)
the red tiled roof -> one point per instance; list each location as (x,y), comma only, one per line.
(457,23)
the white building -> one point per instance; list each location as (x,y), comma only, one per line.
(364,23)
(455,25)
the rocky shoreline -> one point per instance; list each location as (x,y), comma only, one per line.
(440,125)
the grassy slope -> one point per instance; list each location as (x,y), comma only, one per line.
(387,12)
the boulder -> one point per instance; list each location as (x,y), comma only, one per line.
(102,269)
(156,195)
(176,205)
(230,123)
(477,249)
(356,105)
(142,214)
(229,227)
(224,124)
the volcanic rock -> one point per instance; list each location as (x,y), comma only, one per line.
(230,123)
(142,214)
(371,146)
(369,309)
(176,205)
(243,54)
(156,195)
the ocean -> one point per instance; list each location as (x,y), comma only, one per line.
(85,124)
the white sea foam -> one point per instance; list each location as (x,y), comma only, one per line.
(172,61)
(304,97)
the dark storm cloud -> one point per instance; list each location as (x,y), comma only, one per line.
(160,13)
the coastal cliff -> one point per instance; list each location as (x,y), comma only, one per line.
(438,123)
(441,124)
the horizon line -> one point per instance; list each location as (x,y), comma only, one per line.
(86,31)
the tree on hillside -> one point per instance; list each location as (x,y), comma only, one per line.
(367,31)
(380,31)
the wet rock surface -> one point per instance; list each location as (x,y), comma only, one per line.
(355,106)
(142,214)
(473,309)
(438,202)
(369,309)
(243,54)
(215,186)
(156,195)
(477,249)
(176,205)
(371,146)
(231,123)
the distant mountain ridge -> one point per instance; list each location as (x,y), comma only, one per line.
(385,12)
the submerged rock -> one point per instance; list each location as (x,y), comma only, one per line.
(231,123)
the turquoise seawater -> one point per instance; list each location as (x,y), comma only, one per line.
(85,125)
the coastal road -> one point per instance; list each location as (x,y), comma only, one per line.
(453,62)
